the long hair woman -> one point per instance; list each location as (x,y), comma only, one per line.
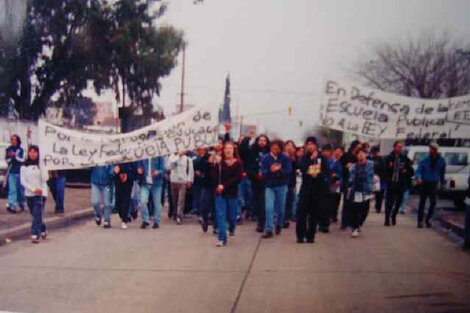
(34,181)
(227,172)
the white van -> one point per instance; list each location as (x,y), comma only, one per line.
(457,170)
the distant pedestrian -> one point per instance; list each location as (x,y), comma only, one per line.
(398,173)
(101,186)
(276,168)
(380,175)
(181,178)
(336,177)
(347,160)
(361,175)
(227,172)
(466,243)
(34,181)
(290,150)
(255,149)
(124,176)
(430,173)
(150,173)
(313,191)
(15,157)
(56,184)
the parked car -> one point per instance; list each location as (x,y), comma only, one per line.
(457,170)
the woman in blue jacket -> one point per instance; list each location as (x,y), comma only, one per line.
(361,177)
(15,157)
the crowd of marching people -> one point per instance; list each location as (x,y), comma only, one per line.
(272,183)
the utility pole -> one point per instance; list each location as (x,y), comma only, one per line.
(182,80)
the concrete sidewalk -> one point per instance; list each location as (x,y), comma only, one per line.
(178,269)
(77,206)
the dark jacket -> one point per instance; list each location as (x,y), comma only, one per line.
(228,176)
(17,160)
(404,174)
(125,168)
(201,165)
(316,186)
(345,159)
(281,177)
(252,157)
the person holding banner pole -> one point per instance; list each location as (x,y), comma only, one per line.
(151,174)
(181,178)
(124,176)
(15,157)
(34,181)
(101,185)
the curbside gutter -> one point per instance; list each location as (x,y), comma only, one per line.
(53,222)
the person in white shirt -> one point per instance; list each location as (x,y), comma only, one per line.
(181,178)
(34,182)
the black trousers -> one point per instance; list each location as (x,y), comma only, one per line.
(123,199)
(289,203)
(393,199)
(259,204)
(325,212)
(358,212)
(427,190)
(336,200)
(308,213)
(345,223)
(379,197)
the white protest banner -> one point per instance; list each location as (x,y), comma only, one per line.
(62,148)
(377,114)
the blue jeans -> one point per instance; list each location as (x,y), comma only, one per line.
(36,207)
(57,186)
(275,205)
(226,209)
(196,203)
(15,191)
(101,193)
(156,191)
(404,202)
(245,195)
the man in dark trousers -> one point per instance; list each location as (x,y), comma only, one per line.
(431,171)
(398,171)
(254,153)
(379,170)
(313,191)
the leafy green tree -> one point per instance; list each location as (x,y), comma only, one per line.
(67,45)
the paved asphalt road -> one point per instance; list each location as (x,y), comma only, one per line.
(85,268)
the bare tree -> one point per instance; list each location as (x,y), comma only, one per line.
(430,67)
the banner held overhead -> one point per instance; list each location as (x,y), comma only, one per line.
(377,114)
(62,148)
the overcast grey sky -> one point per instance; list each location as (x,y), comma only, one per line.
(272,46)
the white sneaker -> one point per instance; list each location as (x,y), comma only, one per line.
(123,225)
(355,233)
(219,243)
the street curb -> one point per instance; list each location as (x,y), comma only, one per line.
(51,222)
(456,228)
